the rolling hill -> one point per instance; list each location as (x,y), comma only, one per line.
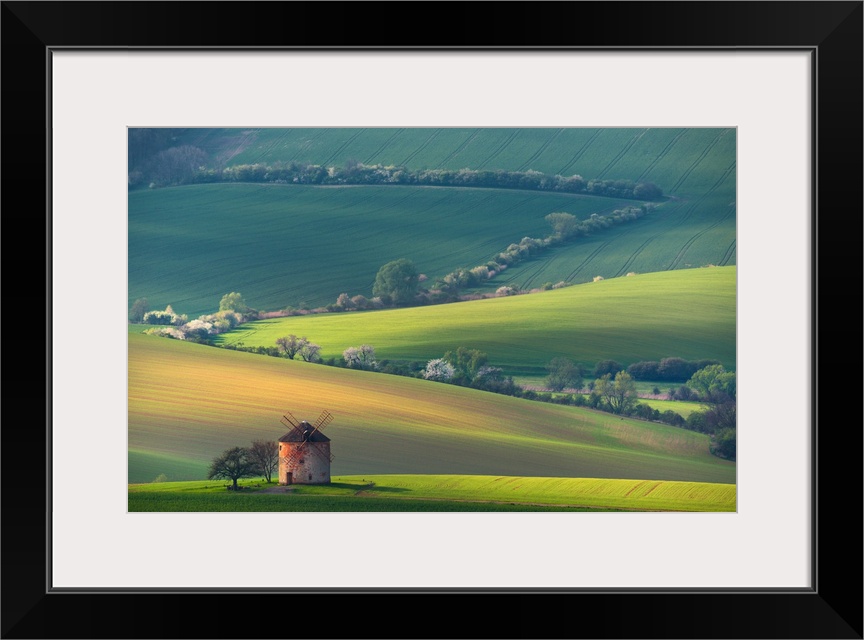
(189,402)
(688,313)
(289,245)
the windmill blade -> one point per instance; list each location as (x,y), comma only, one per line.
(296,452)
(289,419)
(323,420)
(292,424)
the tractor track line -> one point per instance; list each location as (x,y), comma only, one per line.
(458,149)
(621,154)
(539,151)
(587,260)
(661,156)
(384,146)
(501,148)
(730,251)
(626,266)
(425,144)
(698,160)
(311,140)
(342,147)
(713,188)
(580,153)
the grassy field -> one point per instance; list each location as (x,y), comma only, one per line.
(287,245)
(189,402)
(284,245)
(676,159)
(438,493)
(688,314)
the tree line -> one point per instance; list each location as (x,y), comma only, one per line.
(187,164)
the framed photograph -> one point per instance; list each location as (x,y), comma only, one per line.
(781,80)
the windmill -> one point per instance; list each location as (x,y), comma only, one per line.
(304,452)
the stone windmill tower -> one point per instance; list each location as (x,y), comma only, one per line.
(304,452)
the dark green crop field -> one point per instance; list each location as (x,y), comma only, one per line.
(679,160)
(288,245)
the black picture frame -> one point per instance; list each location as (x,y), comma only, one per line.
(831,608)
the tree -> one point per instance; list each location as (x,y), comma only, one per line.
(723,444)
(713,383)
(360,358)
(619,394)
(563,373)
(647,191)
(310,352)
(439,370)
(721,416)
(563,224)
(675,369)
(233,302)
(607,366)
(466,361)
(291,345)
(397,281)
(233,464)
(139,308)
(644,370)
(265,453)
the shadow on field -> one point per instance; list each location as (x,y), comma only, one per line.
(379,489)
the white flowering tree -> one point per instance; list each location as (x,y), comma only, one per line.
(439,370)
(362,357)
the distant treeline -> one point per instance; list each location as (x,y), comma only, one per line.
(187,165)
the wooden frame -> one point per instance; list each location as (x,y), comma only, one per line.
(832,607)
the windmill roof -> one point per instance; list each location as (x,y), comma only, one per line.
(296,435)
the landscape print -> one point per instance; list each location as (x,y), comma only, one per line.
(432,319)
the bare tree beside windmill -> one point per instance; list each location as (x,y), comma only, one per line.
(304,452)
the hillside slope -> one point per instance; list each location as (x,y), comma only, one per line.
(286,245)
(688,314)
(189,402)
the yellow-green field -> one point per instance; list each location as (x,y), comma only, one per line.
(438,493)
(688,313)
(189,402)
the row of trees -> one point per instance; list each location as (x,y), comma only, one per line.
(397,282)
(186,165)
(261,458)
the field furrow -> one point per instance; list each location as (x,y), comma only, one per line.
(527,164)
(380,150)
(620,154)
(501,148)
(695,164)
(458,150)
(644,175)
(425,144)
(341,148)
(578,156)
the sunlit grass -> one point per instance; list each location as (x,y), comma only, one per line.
(437,493)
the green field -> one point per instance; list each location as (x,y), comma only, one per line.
(688,314)
(660,286)
(189,402)
(438,493)
(676,159)
(287,245)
